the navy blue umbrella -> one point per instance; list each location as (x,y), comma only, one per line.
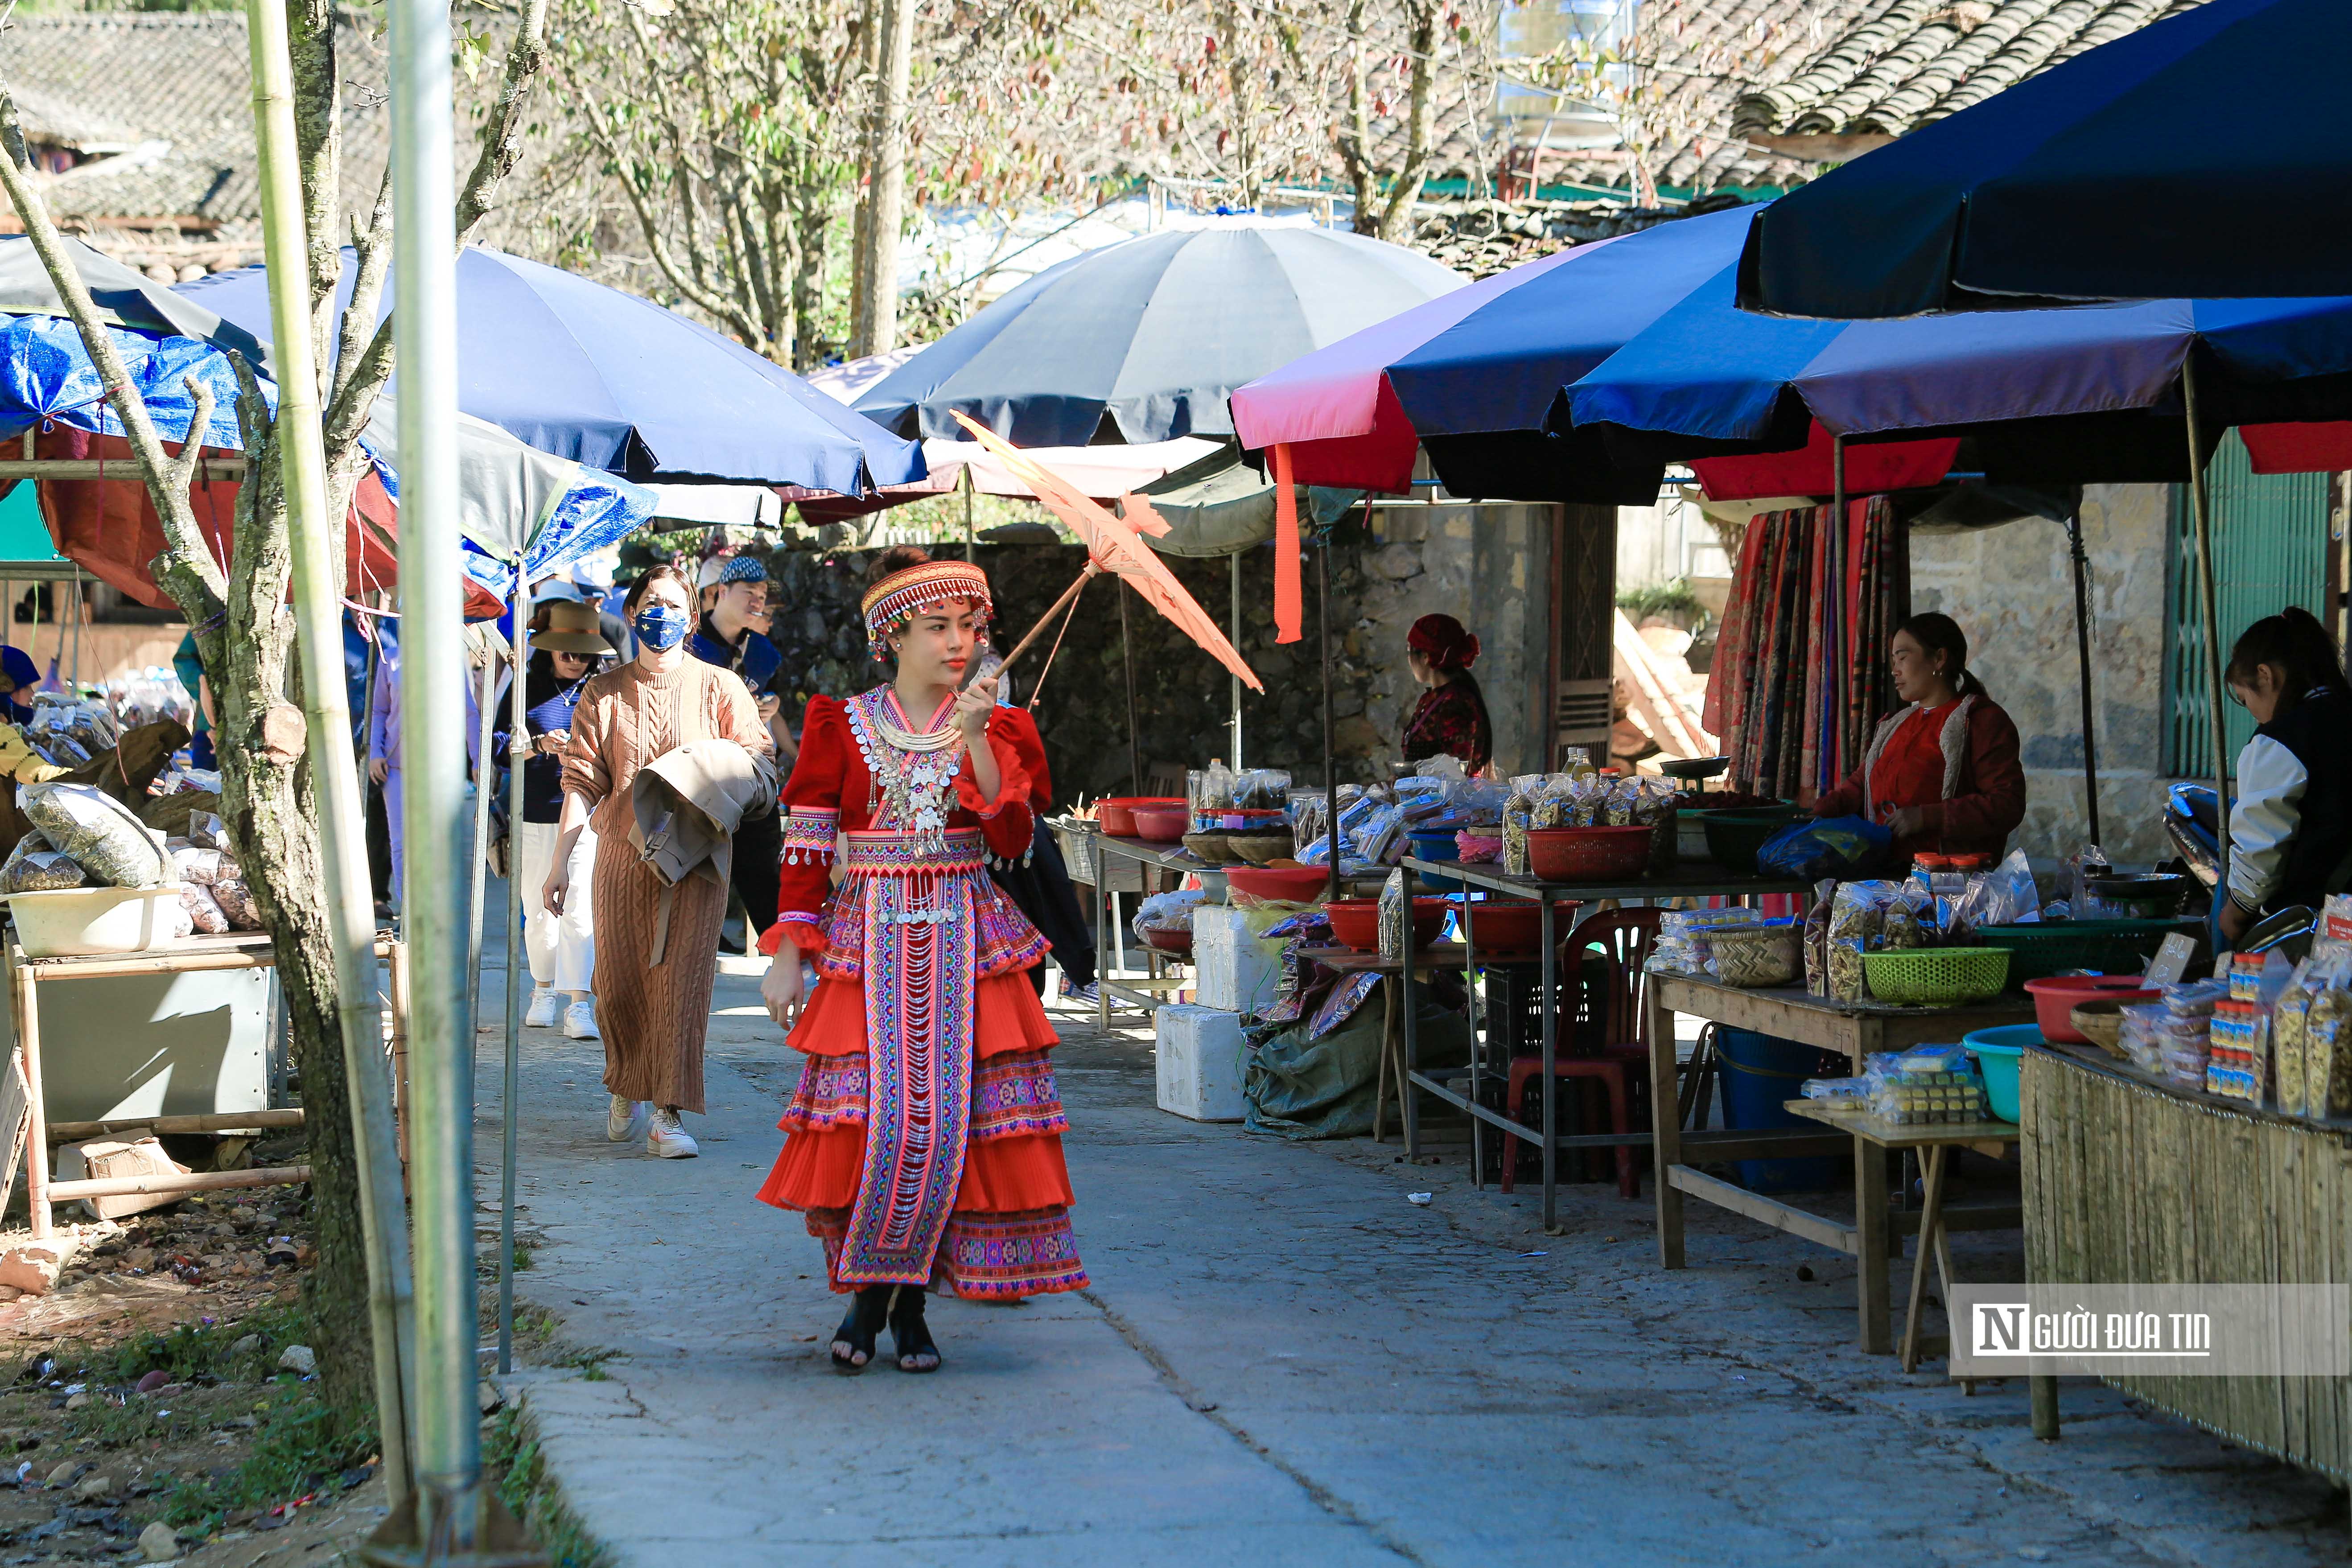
(616,383)
(1145,340)
(2207,156)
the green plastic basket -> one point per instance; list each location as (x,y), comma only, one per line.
(2105,947)
(1938,977)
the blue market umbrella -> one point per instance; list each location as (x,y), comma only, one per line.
(2207,156)
(613,382)
(1144,341)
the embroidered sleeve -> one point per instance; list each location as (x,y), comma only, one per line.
(1006,823)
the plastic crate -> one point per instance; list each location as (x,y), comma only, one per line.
(1077,845)
(1511,1010)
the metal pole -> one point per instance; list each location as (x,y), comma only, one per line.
(318,585)
(484,788)
(1831,765)
(1330,755)
(2200,517)
(1237,640)
(517,966)
(970,550)
(2083,653)
(448,1457)
(1127,656)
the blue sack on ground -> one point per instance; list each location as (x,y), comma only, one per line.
(1829,847)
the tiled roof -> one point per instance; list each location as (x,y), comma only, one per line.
(162,105)
(1907,62)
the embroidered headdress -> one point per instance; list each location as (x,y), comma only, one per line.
(906,594)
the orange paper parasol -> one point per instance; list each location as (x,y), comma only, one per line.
(1112,544)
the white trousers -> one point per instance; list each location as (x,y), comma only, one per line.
(562,948)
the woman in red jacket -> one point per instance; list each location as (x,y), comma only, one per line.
(924,1143)
(1942,771)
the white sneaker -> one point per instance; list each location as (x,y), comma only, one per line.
(667,1140)
(626,1120)
(544,1005)
(580,1021)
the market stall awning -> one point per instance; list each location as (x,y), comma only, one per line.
(1144,341)
(2067,394)
(2208,155)
(617,383)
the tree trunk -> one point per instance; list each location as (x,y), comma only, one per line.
(1241,76)
(268,807)
(1356,137)
(878,323)
(812,207)
(1421,123)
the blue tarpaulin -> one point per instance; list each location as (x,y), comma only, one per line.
(573,368)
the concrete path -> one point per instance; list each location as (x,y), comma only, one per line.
(1282,1361)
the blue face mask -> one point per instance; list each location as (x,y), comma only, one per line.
(661,626)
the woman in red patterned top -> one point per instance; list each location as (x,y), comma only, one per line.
(924,1143)
(1451,717)
(1942,771)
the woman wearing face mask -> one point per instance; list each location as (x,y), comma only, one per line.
(652,1015)
(2291,830)
(924,1143)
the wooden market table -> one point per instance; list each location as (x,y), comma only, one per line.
(1692,881)
(1427,961)
(1170,862)
(1935,1141)
(238,949)
(2129,1179)
(1855,1032)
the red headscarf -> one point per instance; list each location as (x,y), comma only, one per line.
(1445,642)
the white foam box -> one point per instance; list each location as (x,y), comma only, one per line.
(1200,1052)
(1237,968)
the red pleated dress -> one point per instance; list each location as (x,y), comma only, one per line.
(924,1141)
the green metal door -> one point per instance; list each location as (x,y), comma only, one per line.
(2270,551)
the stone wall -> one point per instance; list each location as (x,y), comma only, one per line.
(2011,589)
(1484,564)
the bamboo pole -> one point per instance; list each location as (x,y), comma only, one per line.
(1127,658)
(1236,561)
(334,769)
(448,1518)
(2202,518)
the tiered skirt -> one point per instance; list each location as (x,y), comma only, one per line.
(1010,1234)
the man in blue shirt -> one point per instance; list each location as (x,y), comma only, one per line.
(734,614)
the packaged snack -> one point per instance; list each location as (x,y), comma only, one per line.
(2328,1055)
(235,901)
(1910,918)
(35,867)
(1817,934)
(1654,807)
(99,832)
(2290,1022)
(205,914)
(1396,921)
(202,866)
(206,831)
(1518,816)
(1857,925)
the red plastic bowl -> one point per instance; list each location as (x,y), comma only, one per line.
(1158,824)
(1116,814)
(1511,925)
(1588,854)
(1178,941)
(1356,922)
(2056,997)
(1290,884)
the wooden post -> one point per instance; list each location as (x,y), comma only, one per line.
(1665,1128)
(22,992)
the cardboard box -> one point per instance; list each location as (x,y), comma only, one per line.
(103,1159)
(1200,1053)
(1238,969)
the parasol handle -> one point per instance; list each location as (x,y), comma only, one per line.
(1093,570)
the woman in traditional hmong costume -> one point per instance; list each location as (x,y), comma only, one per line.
(924,1143)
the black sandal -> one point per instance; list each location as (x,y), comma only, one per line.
(867,1311)
(910,1337)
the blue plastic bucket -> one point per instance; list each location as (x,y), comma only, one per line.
(1436,846)
(1761,1071)
(1998,1052)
